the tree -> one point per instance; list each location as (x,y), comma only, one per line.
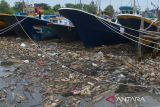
(48,12)
(109,10)
(70,5)
(56,7)
(43,5)
(5,7)
(46,7)
(19,6)
(92,8)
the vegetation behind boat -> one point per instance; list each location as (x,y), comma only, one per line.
(19,7)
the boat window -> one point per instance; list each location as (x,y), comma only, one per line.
(131,12)
(127,12)
(123,12)
(52,16)
(55,21)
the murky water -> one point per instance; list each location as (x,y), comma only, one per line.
(16,90)
(23,95)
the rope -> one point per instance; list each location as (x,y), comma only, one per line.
(140,38)
(141,31)
(127,34)
(150,25)
(11,25)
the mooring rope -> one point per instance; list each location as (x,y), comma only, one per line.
(11,26)
(118,31)
(141,31)
(150,25)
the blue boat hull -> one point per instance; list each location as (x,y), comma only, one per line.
(35,28)
(92,32)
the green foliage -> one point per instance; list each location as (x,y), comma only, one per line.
(70,5)
(5,7)
(43,5)
(18,7)
(109,10)
(48,12)
(56,7)
(47,9)
(91,8)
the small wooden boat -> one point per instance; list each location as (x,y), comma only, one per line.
(130,19)
(37,29)
(65,29)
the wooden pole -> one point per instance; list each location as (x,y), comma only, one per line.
(134,7)
(140,36)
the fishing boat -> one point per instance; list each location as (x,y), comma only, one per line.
(37,29)
(91,30)
(29,25)
(130,17)
(65,29)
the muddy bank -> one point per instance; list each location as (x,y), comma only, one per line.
(67,74)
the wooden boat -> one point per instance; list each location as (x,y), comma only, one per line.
(37,29)
(91,30)
(130,19)
(65,29)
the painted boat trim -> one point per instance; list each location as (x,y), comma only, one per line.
(3,24)
(132,16)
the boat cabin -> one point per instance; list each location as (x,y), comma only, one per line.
(128,10)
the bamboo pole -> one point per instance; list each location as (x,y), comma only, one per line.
(140,36)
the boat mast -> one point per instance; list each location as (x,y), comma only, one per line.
(99,7)
(134,6)
(81,4)
(23,10)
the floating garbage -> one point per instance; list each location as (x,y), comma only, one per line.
(39,80)
(26,61)
(23,45)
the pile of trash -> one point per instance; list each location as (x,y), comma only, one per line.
(52,73)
